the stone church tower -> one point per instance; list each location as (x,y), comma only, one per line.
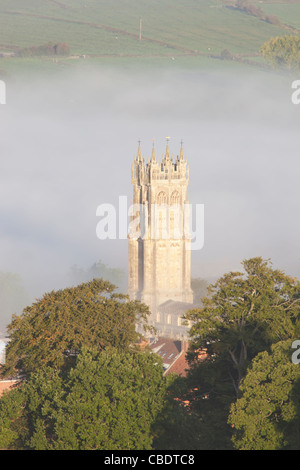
(159,242)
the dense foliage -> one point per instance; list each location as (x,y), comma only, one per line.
(87,387)
(49,49)
(109,400)
(55,328)
(251,9)
(267,414)
(282,52)
(245,314)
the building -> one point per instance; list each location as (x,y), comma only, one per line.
(159,240)
(172,353)
(169,321)
(6,385)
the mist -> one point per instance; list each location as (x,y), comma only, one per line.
(68,141)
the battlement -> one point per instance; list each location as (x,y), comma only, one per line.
(143,173)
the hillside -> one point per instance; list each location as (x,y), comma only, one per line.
(170,29)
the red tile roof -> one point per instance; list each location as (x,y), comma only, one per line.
(173,354)
(6,385)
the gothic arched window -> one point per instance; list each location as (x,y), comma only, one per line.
(161,198)
(175,197)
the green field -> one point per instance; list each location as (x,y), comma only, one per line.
(184,30)
(287,13)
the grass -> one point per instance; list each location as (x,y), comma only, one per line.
(29,67)
(171,29)
(287,13)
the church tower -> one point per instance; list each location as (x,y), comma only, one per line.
(159,241)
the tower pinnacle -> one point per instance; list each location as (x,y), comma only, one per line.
(139,154)
(153,157)
(167,154)
(181,151)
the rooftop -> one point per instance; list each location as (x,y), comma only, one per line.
(173,354)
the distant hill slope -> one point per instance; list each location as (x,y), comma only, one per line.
(101,27)
(168,28)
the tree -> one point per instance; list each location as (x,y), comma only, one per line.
(282,52)
(245,314)
(249,8)
(108,401)
(226,55)
(62,49)
(116,276)
(267,414)
(49,49)
(253,10)
(53,330)
(176,426)
(272,19)
(199,287)
(12,421)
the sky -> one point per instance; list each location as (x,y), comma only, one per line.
(67,144)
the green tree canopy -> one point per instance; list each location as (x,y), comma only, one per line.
(267,414)
(53,329)
(108,401)
(245,314)
(282,51)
